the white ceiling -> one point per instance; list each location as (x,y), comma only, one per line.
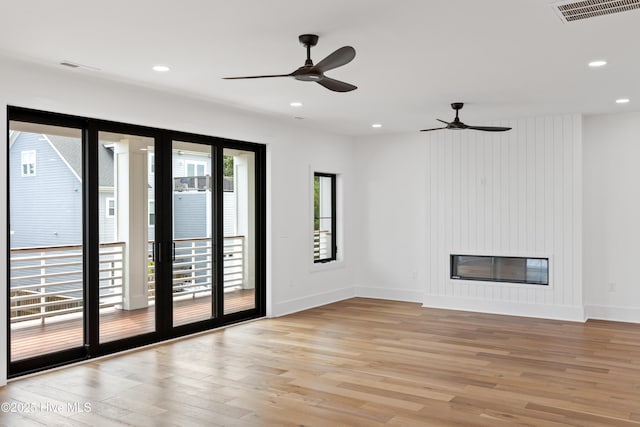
(503,58)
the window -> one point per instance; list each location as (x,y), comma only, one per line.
(195,168)
(110,207)
(324,217)
(534,271)
(28,162)
(152,213)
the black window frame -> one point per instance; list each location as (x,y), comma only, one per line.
(333,253)
(455,274)
(92,346)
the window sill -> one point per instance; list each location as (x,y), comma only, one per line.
(326,266)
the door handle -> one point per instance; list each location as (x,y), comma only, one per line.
(158,251)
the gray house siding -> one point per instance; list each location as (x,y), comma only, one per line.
(44,209)
(190,216)
(106,224)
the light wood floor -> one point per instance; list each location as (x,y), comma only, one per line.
(359,362)
(62,332)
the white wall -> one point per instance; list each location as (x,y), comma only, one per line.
(292,151)
(429,195)
(612,216)
(392,195)
(407,201)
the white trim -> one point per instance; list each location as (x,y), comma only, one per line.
(107,207)
(612,313)
(339,262)
(151,161)
(64,160)
(406,295)
(31,157)
(195,163)
(13,136)
(308,302)
(325,266)
(544,311)
(149,211)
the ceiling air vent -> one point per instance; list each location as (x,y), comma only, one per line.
(71,64)
(573,10)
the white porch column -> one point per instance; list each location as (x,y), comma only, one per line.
(131,194)
(244,174)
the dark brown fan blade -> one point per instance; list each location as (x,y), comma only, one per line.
(336,85)
(340,57)
(489,128)
(442,122)
(427,130)
(257,77)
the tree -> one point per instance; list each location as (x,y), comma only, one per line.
(227,165)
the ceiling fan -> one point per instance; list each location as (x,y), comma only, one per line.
(315,73)
(457,124)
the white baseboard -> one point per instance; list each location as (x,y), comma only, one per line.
(311,301)
(613,313)
(571,313)
(406,295)
(558,312)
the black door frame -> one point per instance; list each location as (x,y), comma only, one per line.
(163,204)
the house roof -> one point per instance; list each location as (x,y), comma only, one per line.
(68,149)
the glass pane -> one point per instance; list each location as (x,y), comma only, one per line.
(510,269)
(193,263)
(45,239)
(239,230)
(474,267)
(322,217)
(501,269)
(538,271)
(127,280)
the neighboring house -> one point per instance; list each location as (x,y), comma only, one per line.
(48,169)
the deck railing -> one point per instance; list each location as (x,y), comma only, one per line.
(48,281)
(321,244)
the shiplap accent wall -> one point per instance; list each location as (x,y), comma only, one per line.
(516,193)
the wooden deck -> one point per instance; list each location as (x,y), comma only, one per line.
(359,362)
(67,331)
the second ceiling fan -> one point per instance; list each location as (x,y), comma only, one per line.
(456,124)
(315,73)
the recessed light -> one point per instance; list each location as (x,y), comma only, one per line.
(622,101)
(376,125)
(295,104)
(598,63)
(161,68)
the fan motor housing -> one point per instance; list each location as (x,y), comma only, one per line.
(308,39)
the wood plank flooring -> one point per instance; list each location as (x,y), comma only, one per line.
(67,331)
(359,362)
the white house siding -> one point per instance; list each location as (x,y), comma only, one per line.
(230,218)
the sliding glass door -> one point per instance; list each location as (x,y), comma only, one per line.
(126,191)
(239,206)
(46,247)
(122,236)
(194,234)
